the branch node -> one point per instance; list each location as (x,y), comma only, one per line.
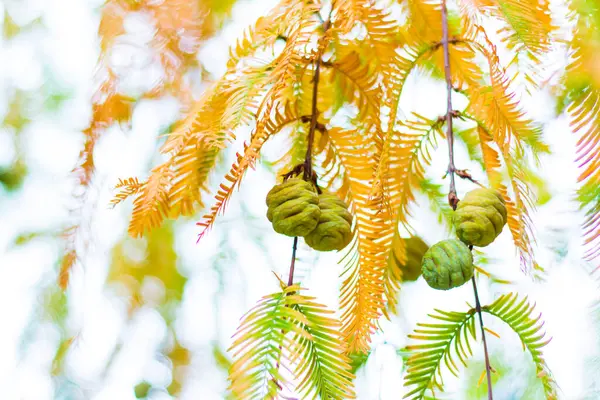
(453,200)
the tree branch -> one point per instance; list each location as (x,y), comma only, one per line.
(488,368)
(314,125)
(293,262)
(314,113)
(452,197)
(289,283)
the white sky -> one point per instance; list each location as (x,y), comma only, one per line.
(67,47)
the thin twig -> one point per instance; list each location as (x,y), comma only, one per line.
(289,283)
(488,368)
(314,113)
(293,263)
(452,197)
(464,174)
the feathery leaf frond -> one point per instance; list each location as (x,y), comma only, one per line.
(243,162)
(438,201)
(491,158)
(323,368)
(496,110)
(274,112)
(362,85)
(263,34)
(395,77)
(444,342)
(373,46)
(152,204)
(528,25)
(497,106)
(393,277)
(424,18)
(313,349)
(362,288)
(410,154)
(582,86)
(448,341)
(521,205)
(254,373)
(195,144)
(191,169)
(465,71)
(128,187)
(526,32)
(370,65)
(519,315)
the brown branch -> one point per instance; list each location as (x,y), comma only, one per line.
(464,174)
(314,114)
(309,174)
(488,367)
(293,262)
(289,283)
(452,197)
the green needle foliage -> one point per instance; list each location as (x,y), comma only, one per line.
(448,341)
(438,201)
(444,342)
(288,330)
(358,360)
(520,316)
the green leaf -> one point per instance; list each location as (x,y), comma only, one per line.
(257,350)
(288,330)
(221,358)
(445,343)
(59,356)
(520,316)
(358,360)
(470,138)
(438,201)
(142,389)
(323,367)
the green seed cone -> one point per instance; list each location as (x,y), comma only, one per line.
(334,229)
(410,269)
(293,207)
(447,264)
(480,217)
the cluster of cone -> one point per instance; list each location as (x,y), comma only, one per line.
(296,209)
(323,220)
(478,220)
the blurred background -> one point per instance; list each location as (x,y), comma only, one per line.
(153,317)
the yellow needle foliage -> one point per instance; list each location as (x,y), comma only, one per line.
(366,150)
(382,159)
(199,20)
